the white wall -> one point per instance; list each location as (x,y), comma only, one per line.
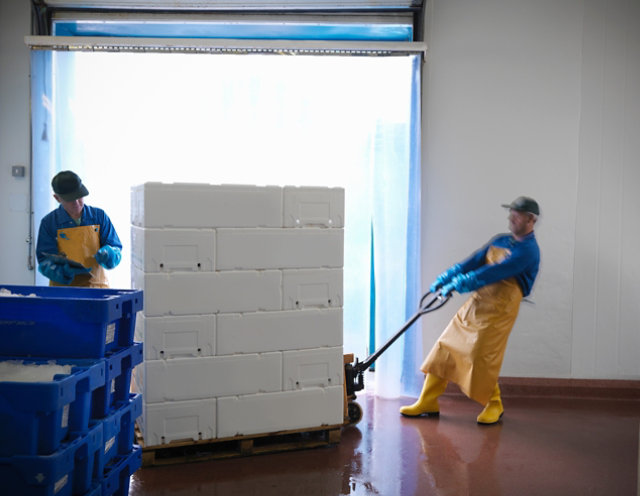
(540,98)
(606,280)
(14,141)
(535,97)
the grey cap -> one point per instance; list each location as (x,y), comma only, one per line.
(524,204)
(68,186)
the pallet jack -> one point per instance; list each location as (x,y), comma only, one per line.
(354,371)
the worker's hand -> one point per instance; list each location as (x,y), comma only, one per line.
(445,278)
(463,283)
(62,273)
(108,256)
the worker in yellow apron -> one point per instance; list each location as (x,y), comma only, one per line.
(76,242)
(471,349)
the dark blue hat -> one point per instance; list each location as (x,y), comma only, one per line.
(68,186)
(524,204)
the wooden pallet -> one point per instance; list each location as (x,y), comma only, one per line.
(348,358)
(189,451)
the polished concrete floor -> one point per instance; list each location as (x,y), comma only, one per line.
(542,446)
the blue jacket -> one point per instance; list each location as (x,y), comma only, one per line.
(522,263)
(60,219)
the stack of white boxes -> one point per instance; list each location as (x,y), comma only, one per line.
(242,320)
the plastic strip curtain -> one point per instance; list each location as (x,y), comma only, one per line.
(53,128)
(412,377)
(396,252)
(42,137)
(88,117)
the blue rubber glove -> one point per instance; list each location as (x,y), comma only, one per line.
(108,256)
(445,277)
(62,273)
(462,283)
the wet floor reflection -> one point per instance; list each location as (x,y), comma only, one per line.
(450,455)
(457,464)
(557,447)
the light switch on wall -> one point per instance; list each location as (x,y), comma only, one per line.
(17,170)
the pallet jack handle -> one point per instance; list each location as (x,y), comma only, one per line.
(354,373)
(434,303)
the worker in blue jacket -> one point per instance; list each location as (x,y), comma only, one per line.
(76,242)
(471,349)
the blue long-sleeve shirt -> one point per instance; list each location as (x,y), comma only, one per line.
(522,262)
(60,219)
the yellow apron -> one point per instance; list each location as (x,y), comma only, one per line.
(471,349)
(81,244)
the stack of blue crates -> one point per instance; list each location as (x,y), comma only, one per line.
(72,435)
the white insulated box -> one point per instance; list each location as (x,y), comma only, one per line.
(205,205)
(162,423)
(313,206)
(278,331)
(167,250)
(276,412)
(177,336)
(279,248)
(319,288)
(242,325)
(322,367)
(183,379)
(188,293)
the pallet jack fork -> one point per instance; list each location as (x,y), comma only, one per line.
(354,371)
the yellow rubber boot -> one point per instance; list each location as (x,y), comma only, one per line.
(427,403)
(493,410)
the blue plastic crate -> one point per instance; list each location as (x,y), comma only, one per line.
(119,432)
(71,470)
(66,322)
(116,480)
(118,368)
(35,417)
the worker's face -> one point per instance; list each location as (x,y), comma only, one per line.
(520,223)
(73,207)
